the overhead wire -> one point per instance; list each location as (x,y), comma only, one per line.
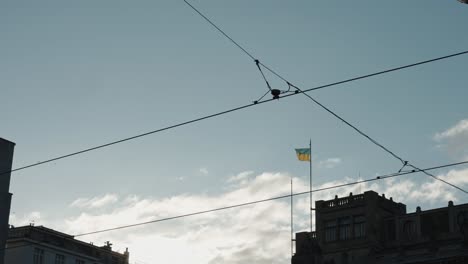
(257,62)
(381,177)
(401,173)
(220,113)
(405,162)
(437,178)
(352,126)
(229,110)
(327,85)
(131,138)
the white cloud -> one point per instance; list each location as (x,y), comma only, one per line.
(96,202)
(229,236)
(457,130)
(329,163)
(435,190)
(256,233)
(431,192)
(203,171)
(455,140)
(241,178)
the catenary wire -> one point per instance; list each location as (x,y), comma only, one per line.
(219,113)
(437,178)
(382,177)
(405,163)
(323,86)
(416,169)
(273,198)
(245,106)
(230,110)
(132,137)
(352,126)
(220,30)
(328,109)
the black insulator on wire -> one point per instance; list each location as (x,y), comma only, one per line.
(276,93)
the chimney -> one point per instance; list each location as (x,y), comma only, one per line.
(6,160)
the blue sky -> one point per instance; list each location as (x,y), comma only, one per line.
(77,74)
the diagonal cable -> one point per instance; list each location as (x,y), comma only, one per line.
(226,111)
(404,162)
(382,177)
(391,175)
(349,80)
(215,115)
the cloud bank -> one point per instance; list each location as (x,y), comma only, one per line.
(257,233)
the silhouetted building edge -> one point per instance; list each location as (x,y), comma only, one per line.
(6,161)
(369,228)
(38,244)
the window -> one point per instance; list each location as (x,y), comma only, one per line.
(38,257)
(59,259)
(359,226)
(344,258)
(390,229)
(435,223)
(344,224)
(79,261)
(409,229)
(330,231)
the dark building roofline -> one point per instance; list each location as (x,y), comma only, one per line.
(431,210)
(45,229)
(56,233)
(351,195)
(338,203)
(8,141)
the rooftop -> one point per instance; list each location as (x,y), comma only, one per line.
(49,235)
(355,199)
(7,141)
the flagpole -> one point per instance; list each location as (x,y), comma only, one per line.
(310,182)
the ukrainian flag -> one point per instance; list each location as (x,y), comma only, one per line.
(303,154)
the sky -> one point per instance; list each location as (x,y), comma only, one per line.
(82,73)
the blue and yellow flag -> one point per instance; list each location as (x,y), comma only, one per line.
(303,154)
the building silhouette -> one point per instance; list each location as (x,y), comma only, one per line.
(6,160)
(369,228)
(41,245)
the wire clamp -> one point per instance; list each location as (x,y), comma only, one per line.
(405,163)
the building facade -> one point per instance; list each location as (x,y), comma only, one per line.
(369,228)
(6,160)
(41,245)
